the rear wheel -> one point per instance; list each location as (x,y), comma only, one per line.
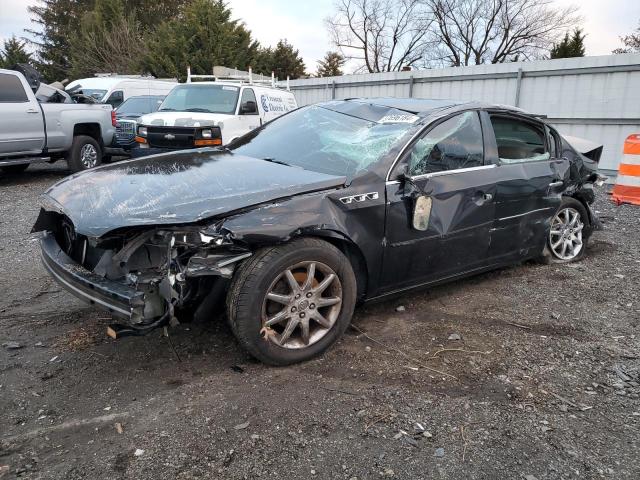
(15,168)
(85,153)
(567,241)
(291,302)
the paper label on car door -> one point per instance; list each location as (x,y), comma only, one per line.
(399,118)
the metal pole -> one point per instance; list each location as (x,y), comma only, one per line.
(518,85)
(333,89)
(410,86)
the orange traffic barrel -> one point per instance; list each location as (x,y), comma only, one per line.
(627,187)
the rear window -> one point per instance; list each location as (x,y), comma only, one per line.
(11,89)
(519,141)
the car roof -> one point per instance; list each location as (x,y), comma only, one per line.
(426,106)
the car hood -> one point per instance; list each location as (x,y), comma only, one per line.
(176,188)
(183,119)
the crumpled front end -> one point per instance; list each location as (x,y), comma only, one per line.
(144,277)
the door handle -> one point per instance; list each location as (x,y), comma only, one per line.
(480,198)
(32,110)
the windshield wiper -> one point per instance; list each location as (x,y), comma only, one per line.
(167,110)
(280,162)
(197,109)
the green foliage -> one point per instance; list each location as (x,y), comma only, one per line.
(202,37)
(109,40)
(284,60)
(76,38)
(631,43)
(56,23)
(331,65)
(570,46)
(14,52)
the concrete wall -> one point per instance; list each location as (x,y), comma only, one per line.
(592,97)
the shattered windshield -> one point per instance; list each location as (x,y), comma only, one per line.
(201,98)
(323,140)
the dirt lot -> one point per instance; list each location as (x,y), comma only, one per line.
(542,383)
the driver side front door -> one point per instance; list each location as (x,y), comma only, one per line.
(446,166)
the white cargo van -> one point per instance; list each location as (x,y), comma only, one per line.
(205,113)
(115,89)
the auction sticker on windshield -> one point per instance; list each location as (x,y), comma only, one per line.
(399,118)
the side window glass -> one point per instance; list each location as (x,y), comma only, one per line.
(248,96)
(519,141)
(11,89)
(115,99)
(552,142)
(453,144)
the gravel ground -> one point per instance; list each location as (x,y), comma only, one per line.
(527,372)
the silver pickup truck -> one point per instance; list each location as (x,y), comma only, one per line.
(36,128)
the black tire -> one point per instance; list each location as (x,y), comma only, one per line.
(548,255)
(75,154)
(250,286)
(13,169)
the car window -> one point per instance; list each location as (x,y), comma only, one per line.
(247,96)
(519,141)
(115,99)
(552,142)
(453,144)
(11,89)
(208,98)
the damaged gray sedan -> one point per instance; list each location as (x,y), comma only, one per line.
(333,204)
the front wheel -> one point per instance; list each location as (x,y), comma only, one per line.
(290,303)
(567,240)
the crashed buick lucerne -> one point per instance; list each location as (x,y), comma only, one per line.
(328,206)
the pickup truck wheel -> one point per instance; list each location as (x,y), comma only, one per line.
(85,153)
(15,168)
(290,303)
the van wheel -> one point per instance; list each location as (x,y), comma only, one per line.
(13,169)
(85,153)
(290,303)
(567,239)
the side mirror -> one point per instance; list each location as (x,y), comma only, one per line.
(249,107)
(421,212)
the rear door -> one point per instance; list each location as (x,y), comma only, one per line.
(446,165)
(21,123)
(529,187)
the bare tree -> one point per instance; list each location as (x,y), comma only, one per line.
(385,35)
(495,31)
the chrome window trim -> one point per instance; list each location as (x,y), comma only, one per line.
(445,172)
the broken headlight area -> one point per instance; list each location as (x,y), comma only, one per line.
(174,268)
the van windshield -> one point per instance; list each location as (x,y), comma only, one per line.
(96,93)
(201,98)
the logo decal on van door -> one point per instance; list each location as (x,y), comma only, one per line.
(272,104)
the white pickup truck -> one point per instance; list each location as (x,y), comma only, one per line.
(39,123)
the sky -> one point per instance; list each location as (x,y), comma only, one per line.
(301,22)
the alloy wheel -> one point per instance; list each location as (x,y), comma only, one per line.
(88,156)
(565,237)
(302,304)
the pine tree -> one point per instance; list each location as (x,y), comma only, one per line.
(202,37)
(331,65)
(57,22)
(110,39)
(570,46)
(286,61)
(14,52)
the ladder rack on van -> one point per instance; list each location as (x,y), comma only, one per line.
(224,74)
